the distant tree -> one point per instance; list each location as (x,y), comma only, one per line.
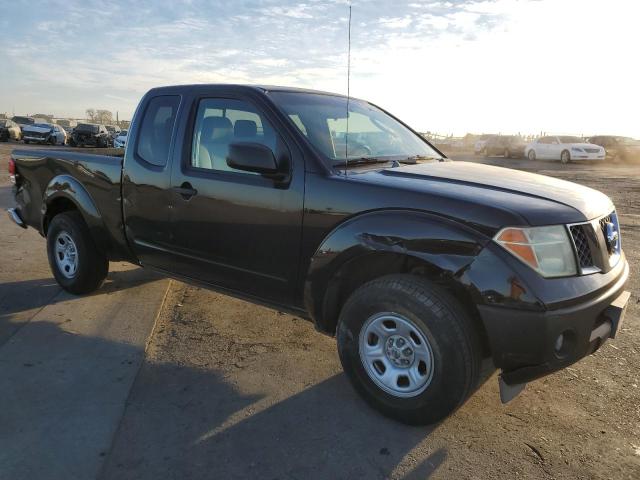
(104,116)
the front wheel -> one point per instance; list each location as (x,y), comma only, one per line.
(565,157)
(532,155)
(408,348)
(77,265)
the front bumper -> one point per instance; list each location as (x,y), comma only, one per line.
(526,345)
(34,138)
(587,156)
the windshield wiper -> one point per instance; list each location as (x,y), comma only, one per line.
(420,158)
(361,161)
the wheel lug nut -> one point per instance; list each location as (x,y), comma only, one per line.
(400,342)
(407,352)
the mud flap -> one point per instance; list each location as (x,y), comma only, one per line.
(509,392)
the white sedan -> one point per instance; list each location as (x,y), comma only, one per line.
(44,133)
(121,140)
(563,148)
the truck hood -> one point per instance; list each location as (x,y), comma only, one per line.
(538,199)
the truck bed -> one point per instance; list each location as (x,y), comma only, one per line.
(93,179)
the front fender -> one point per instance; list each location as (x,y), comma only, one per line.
(443,245)
(67,187)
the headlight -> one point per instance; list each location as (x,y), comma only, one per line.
(547,250)
(576,149)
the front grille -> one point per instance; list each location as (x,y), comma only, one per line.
(603,224)
(592,150)
(582,246)
(594,252)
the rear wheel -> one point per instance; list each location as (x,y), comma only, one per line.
(565,157)
(408,348)
(532,155)
(507,153)
(76,263)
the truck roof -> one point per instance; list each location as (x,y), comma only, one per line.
(239,87)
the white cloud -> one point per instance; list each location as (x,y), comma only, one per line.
(476,65)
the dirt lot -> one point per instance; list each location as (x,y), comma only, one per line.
(231,390)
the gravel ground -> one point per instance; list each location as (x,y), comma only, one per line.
(233,390)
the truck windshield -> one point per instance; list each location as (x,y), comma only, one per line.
(372,134)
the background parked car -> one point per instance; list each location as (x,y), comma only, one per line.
(121,140)
(91,134)
(66,123)
(44,133)
(22,121)
(564,148)
(9,130)
(113,130)
(507,145)
(624,149)
(478,147)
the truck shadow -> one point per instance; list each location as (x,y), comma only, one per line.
(180,421)
(185,423)
(36,293)
(20,301)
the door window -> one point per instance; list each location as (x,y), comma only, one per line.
(156,128)
(222,121)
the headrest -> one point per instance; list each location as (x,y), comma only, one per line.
(245,128)
(216,128)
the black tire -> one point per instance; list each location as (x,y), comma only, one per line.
(92,265)
(565,157)
(26,142)
(453,339)
(52,139)
(532,155)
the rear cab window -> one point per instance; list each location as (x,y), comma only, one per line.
(156,127)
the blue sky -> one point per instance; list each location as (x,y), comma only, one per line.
(563,66)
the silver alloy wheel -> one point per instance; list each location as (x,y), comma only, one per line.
(564,157)
(66,254)
(396,354)
(532,155)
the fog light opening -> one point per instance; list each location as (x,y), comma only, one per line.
(559,343)
(564,343)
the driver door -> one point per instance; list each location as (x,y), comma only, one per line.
(236,229)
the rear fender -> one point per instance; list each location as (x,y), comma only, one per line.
(68,188)
(392,239)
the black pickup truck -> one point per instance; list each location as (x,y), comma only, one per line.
(421,267)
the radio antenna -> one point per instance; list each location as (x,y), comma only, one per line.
(346,137)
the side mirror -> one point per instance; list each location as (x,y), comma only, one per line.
(252,157)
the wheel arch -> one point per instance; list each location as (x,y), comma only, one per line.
(361,250)
(65,193)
